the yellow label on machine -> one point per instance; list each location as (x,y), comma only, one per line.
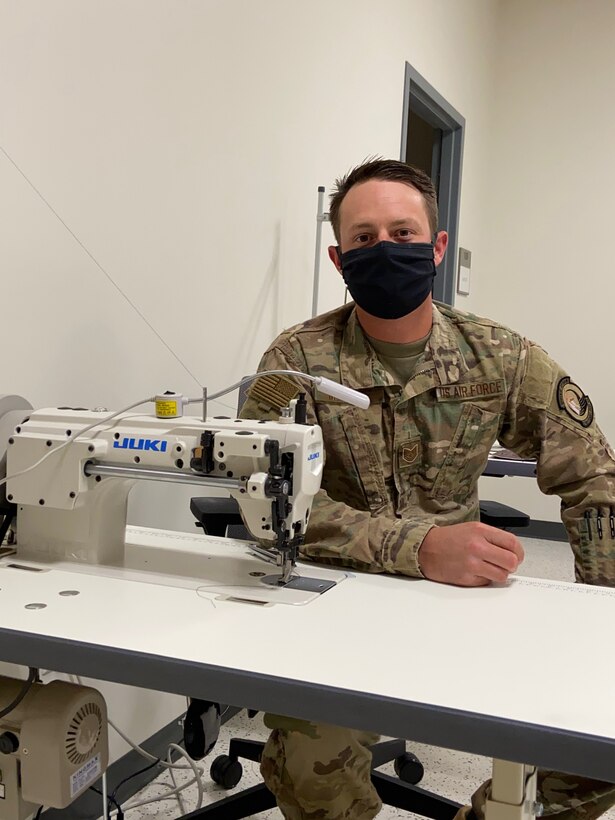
(167,409)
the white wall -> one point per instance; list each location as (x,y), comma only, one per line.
(546,265)
(180,145)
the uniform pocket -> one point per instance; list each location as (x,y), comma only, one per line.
(353,472)
(466,458)
(342,472)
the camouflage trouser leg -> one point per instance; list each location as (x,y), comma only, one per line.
(563,796)
(319,772)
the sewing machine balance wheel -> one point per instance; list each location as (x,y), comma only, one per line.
(13,410)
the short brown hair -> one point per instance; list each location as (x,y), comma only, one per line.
(386,169)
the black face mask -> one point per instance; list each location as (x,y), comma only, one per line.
(389,280)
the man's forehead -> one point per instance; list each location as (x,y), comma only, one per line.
(379,199)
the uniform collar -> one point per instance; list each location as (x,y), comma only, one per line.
(442,362)
(443,349)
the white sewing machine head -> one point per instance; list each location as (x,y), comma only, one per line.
(73,504)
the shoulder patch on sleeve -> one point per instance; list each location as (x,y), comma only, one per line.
(573,401)
(274,391)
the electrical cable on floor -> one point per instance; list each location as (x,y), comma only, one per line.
(180,800)
(166,796)
(173,747)
(109,799)
(130,777)
(172,793)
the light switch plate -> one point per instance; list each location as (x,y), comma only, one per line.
(463,272)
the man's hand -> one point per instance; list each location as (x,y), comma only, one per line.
(469,555)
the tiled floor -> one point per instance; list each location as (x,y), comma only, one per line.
(449,773)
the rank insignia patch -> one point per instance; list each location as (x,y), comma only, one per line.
(409,455)
(574,402)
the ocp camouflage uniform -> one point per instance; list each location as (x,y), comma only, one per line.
(412,461)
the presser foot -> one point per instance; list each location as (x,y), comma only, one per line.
(287,579)
(317,585)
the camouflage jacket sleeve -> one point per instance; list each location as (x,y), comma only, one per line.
(339,534)
(550,419)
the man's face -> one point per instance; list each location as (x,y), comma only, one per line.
(384,211)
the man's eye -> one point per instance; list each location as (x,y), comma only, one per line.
(405,233)
(362,238)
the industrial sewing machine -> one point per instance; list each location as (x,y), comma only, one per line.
(72,506)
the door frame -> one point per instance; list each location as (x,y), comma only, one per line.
(420,96)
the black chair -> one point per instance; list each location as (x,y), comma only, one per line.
(502,516)
(221,517)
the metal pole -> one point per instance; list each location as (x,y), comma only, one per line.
(321,217)
(175,477)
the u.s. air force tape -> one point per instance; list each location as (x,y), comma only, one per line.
(573,401)
(471,390)
(274,391)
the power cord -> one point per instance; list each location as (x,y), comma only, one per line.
(110,799)
(113,795)
(145,754)
(31,679)
(174,793)
(197,777)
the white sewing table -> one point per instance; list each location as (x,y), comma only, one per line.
(524,672)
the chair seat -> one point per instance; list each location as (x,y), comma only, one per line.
(215,514)
(502,516)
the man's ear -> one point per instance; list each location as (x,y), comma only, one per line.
(334,256)
(440,246)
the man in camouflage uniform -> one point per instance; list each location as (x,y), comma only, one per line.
(399,490)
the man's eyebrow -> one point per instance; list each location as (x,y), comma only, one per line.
(408,221)
(361,225)
(396,223)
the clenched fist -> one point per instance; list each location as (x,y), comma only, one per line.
(469,555)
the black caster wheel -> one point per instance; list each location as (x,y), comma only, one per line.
(226,772)
(409,768)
